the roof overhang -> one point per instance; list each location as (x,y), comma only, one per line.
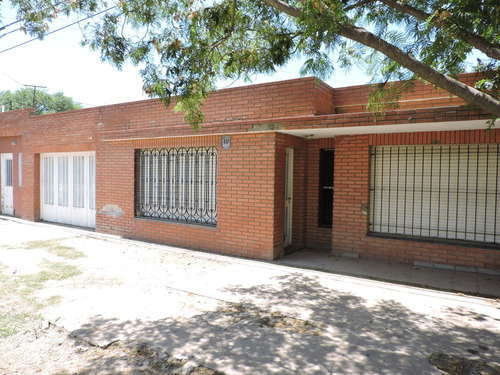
(315,133)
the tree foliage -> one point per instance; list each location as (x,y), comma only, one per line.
(185,46)
(44,102)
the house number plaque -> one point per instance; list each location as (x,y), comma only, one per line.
(226,142)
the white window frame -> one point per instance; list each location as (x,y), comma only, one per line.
(20,170)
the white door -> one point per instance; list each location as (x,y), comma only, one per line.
(68,188)
(287,237)
(7,196)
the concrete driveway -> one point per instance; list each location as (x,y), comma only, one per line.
(248,317)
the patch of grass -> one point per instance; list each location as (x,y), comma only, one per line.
(42,244)
(53,300)
(67,252)
(9,247)
(19,308)
(54,246)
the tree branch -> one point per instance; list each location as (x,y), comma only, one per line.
(284,7)
(490,49)
(431,75)
(360,35)
(354,6)
(230,31)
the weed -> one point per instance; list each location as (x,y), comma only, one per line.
(67,252)
(54,246)
(19,307)
(42,244)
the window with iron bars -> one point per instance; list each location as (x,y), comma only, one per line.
(177,184)
(436,191)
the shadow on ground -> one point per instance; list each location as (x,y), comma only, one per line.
(297,325)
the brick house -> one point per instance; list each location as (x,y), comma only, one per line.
(275,167)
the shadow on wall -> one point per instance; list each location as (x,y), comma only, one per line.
(336,333)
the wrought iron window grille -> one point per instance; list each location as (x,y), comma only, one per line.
(436,191)
(177,184)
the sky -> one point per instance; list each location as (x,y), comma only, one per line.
(60,64)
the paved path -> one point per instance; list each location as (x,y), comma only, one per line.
(247,317)
(485,283)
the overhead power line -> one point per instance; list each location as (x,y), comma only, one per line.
(9,32)
(17,21)
(10,24)
(62,28)
(12,79)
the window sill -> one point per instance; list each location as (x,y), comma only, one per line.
(182,223)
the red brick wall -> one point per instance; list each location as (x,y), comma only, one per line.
(354,99)
(246,194)
(323,99)
(350,225)
(233,110)
(12,122)
(251,173)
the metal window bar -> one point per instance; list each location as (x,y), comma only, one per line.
(9,172)
(177,184)
(446,191)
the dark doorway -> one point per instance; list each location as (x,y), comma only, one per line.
(325,208)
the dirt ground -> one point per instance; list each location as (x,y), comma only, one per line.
(29,344)
(42,271)
(52,350)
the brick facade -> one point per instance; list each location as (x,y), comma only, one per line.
(261,121)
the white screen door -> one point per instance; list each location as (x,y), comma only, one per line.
(7,178)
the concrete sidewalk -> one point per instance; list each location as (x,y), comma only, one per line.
(477,284)
(247,317)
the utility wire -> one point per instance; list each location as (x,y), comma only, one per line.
(17,21)
(62,28)
(8,32)
(12,79)
(90,105)
(10,24)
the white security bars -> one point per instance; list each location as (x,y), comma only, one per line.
(177,184)
(438,191)
(9,173)
(48,188)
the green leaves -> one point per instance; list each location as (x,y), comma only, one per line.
(184,46)
(44,102)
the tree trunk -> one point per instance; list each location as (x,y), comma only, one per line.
(476,41)
(360,35)
(468,93)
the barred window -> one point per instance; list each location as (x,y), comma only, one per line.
(9,173)
(438,191)
(177,184)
